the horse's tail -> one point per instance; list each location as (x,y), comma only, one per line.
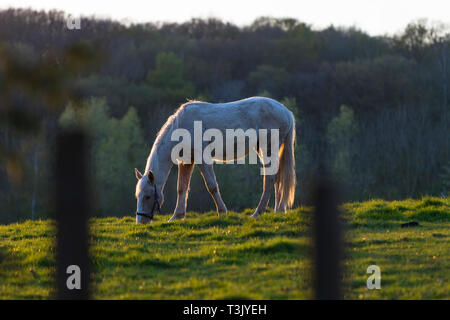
(286,178)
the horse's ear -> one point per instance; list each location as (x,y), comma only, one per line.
(150,176)
(137,173)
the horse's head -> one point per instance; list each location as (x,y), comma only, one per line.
(147,196)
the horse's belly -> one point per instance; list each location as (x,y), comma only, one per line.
(234,152)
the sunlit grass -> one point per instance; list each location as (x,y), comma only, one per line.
(234,256)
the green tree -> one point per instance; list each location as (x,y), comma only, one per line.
(267,78)
(168,72)
(341,133)
(414,40)
(117,147)
(168,78)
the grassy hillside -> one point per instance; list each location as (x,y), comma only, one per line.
(210,257)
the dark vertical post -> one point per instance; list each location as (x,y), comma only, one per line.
(327,240)
(72,212)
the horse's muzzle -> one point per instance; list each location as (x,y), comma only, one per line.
(143,217)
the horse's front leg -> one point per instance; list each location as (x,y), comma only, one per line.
(184,179)
(209,177)
(276,196)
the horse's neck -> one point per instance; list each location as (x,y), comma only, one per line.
(160,163)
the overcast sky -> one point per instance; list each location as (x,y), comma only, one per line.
(376,17)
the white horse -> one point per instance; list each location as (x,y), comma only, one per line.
(251,113)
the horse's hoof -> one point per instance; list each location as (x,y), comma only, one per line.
(143,220)
(255,215)
(177,217)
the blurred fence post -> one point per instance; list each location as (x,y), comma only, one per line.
(72,211)
(327,240)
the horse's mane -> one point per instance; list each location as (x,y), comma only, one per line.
(166,131)
(171,123)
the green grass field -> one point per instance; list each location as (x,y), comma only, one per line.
(234,256)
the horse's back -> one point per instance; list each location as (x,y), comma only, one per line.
(254,112)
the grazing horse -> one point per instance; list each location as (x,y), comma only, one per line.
(257,113)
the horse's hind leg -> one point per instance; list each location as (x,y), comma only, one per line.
(268,184)
(276,195)
(184,179)
(277,208)
(209,177)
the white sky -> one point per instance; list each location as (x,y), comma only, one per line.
(376,17)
